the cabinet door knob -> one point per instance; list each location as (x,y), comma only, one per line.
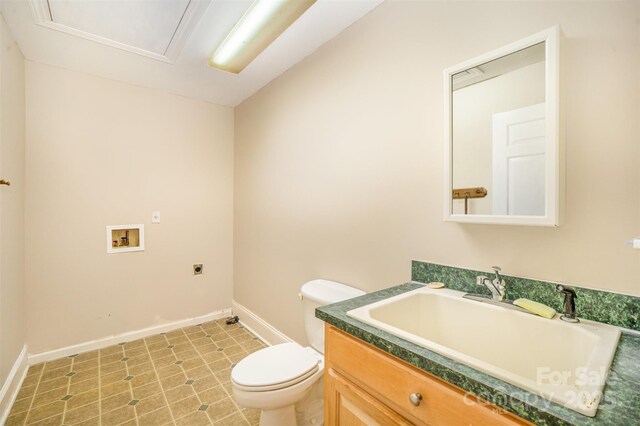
(415,398)
(4,182)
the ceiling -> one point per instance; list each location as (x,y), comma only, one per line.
(165,44)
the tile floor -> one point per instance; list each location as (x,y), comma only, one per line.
(175,378)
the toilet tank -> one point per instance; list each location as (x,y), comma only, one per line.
(319,293)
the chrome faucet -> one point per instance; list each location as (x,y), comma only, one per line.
(497,286)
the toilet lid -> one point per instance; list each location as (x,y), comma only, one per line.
(275,365)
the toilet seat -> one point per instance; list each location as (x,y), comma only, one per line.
(275,367)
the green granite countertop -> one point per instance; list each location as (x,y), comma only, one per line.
(619,406)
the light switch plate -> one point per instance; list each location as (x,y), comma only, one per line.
(155,217)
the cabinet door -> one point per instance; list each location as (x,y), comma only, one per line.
(348,405)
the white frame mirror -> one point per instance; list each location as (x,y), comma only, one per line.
(552,145)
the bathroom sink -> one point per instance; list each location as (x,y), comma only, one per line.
(564,362)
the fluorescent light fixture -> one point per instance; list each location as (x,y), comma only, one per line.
(261,24)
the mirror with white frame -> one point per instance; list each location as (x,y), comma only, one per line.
(502,148)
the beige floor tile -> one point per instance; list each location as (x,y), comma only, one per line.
(155,338)
(115,401)
(131,351)
(108,359)
(51,421)
(21,405)
(161,353)
(198,372)
(237,357)
(114,388)
(178,393)
(207,349)
(49,385)
(86,356)
(161,344)
(226,341)
(108,351)
(58,363)
(134,344)
(144,379)
(140,368)
(220,365)
(112,368)
(192,363)
(84,386)
(138,359)
(82,414)
(227,386)
(35,369)
(96,394)
(198,418)
(213,356)
(91,422)
(203,341)
(45,411)
(177,340)
(223,375)
(196,335)
(57,373)
(212,395)
(235,419)
(205,383)
(31,380)
(156,418)
(192,329)
(173,381)
(168,371)
(81,376)
(49,397)
(235,349)
(252,415)
(146,391)
(184,407)
(82,399)
(17,419)
(188,354)
(181,347)
(163,362)
(118,416)
(221,409)
(152,403)
(244,337)
(113,377)
(85,365)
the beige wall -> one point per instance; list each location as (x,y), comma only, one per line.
(100,152)
(339,162)
(12,131)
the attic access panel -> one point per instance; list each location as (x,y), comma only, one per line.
(156,29)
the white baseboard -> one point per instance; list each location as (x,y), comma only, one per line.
(252,322)
(124,337)
(12,385)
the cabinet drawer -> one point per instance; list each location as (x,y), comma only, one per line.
(392,381)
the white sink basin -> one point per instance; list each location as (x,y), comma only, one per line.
(564,362)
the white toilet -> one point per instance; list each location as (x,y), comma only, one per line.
(276,378)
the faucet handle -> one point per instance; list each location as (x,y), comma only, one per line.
(496,269)
(480,279)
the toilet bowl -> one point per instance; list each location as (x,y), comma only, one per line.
(276,378)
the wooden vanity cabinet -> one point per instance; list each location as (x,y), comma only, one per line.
(366,386)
